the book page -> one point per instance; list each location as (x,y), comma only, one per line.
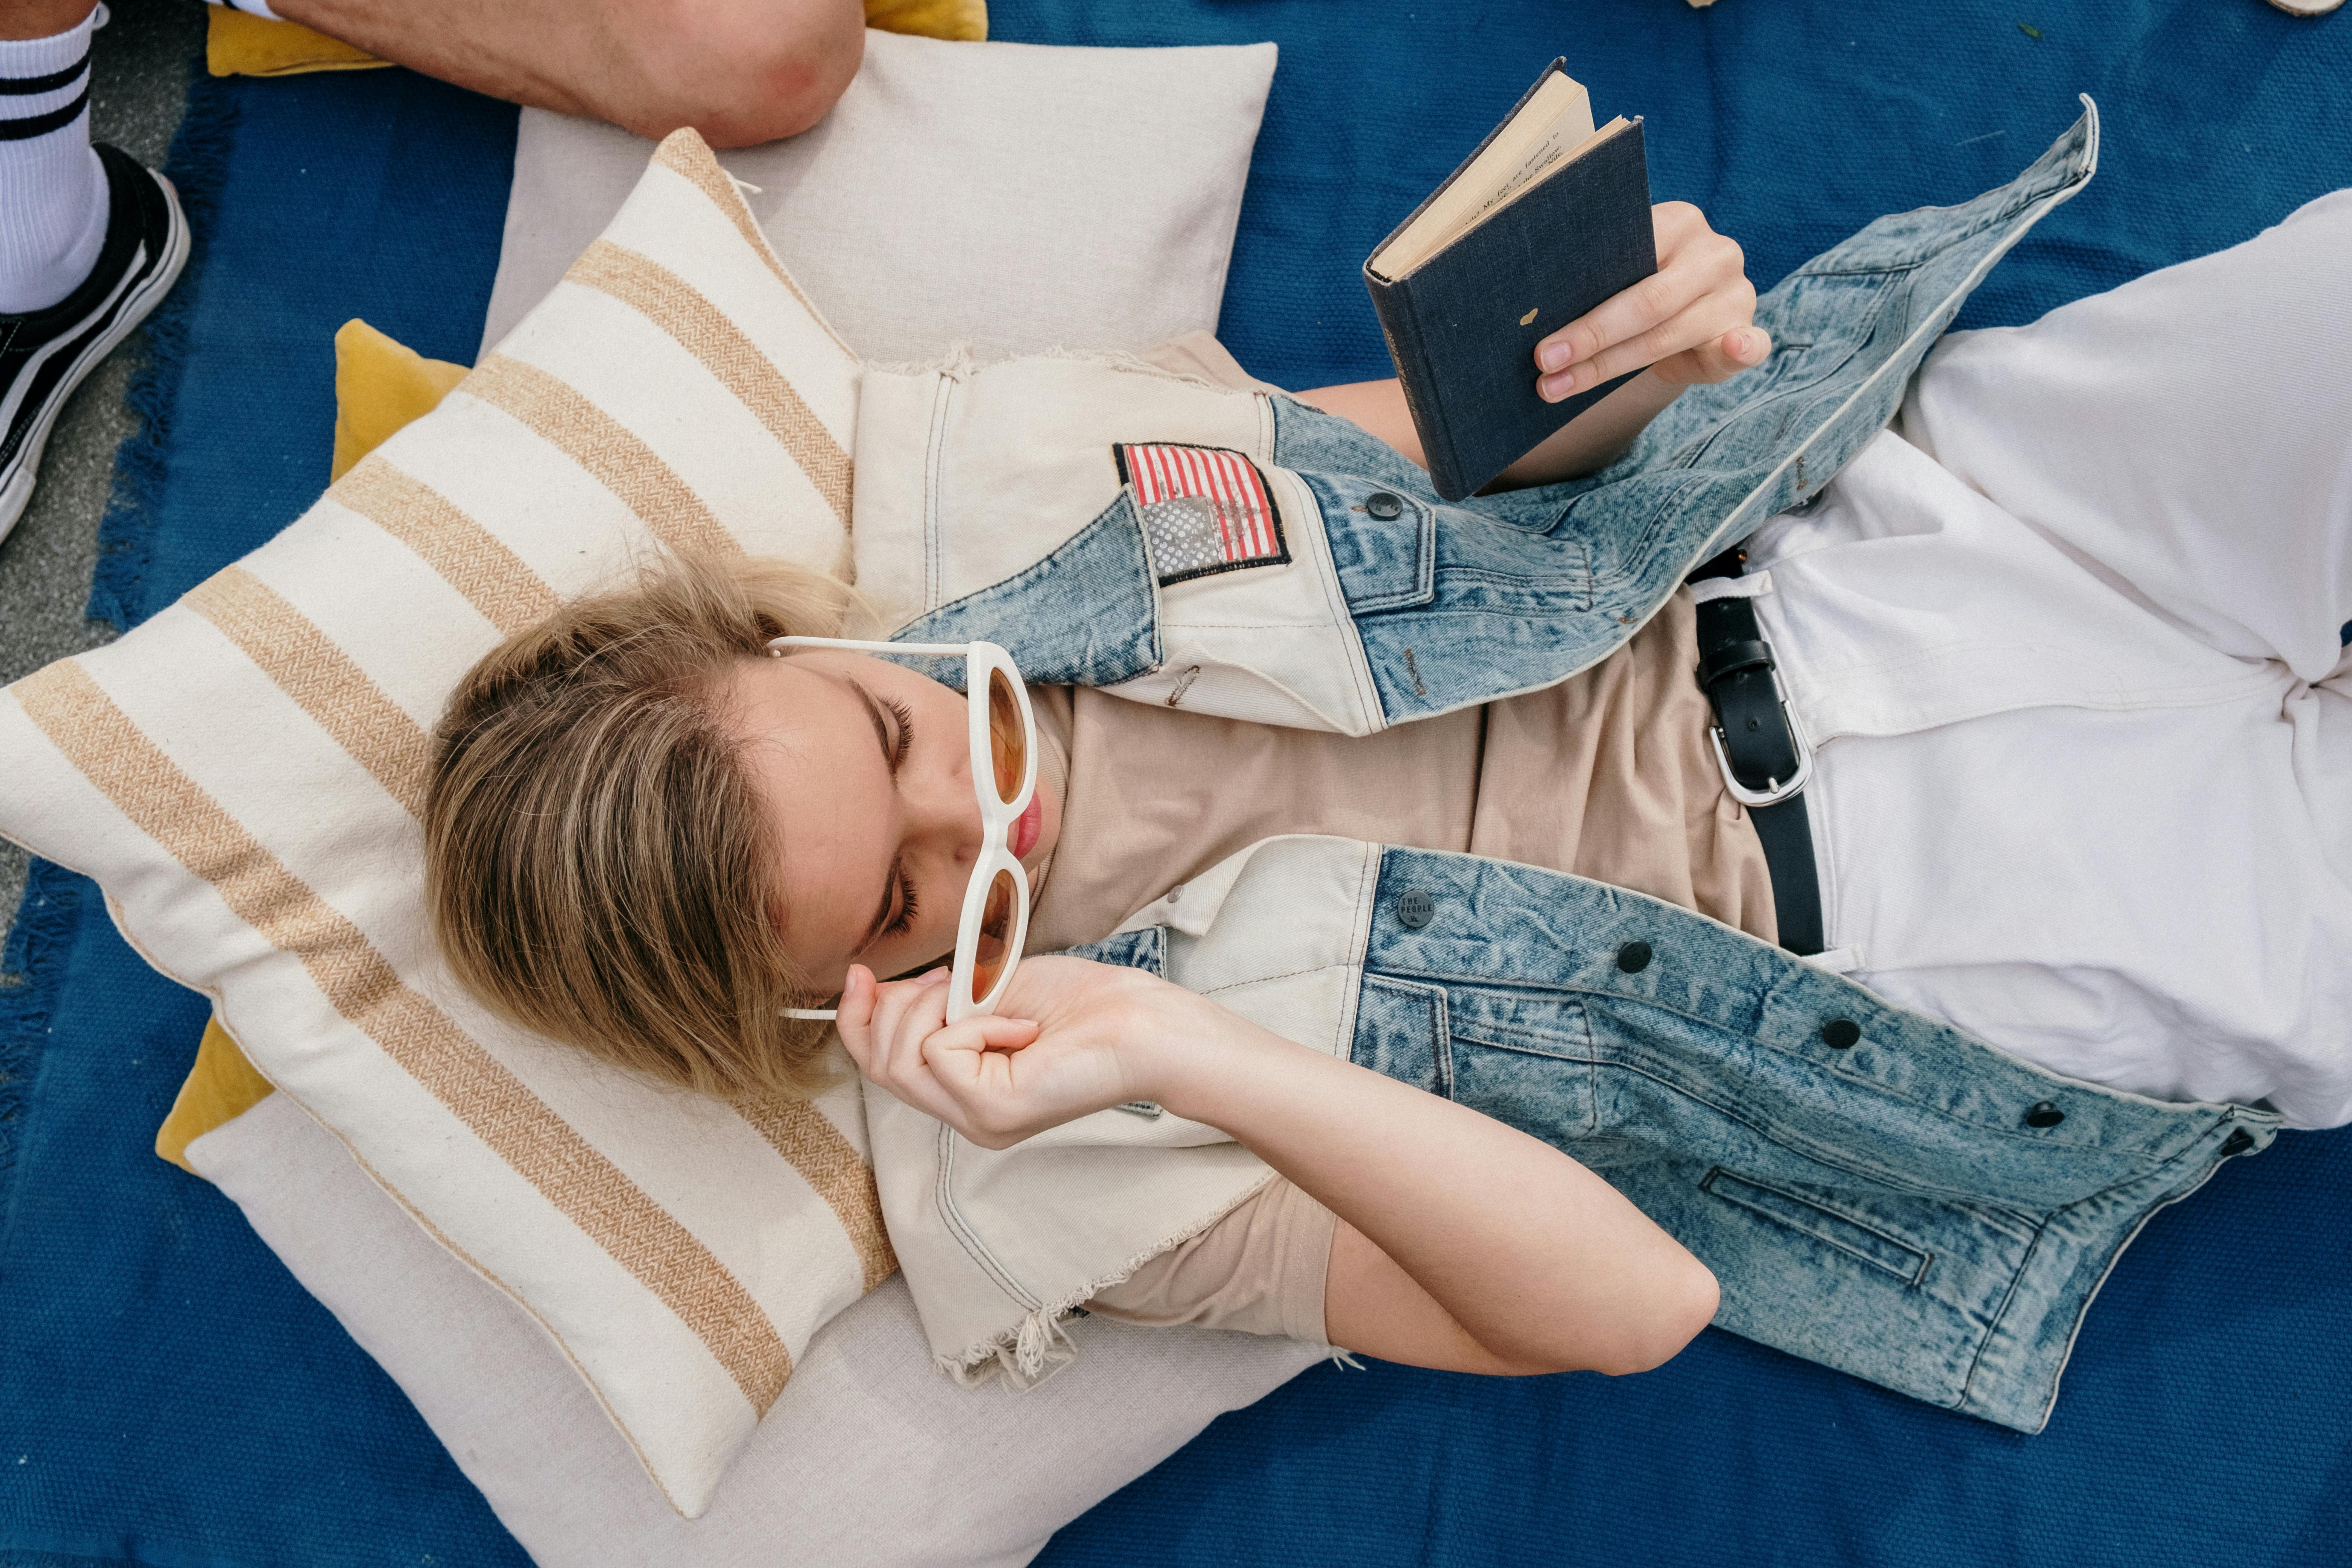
(1552,127)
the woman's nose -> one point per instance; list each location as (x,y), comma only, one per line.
(946,815)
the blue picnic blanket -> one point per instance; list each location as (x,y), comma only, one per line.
(169,1396)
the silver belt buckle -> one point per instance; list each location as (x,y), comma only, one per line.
(1775,790)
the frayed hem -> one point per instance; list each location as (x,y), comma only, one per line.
(1039,1345)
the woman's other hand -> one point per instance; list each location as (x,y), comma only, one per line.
(1052,1055)
(1688,323)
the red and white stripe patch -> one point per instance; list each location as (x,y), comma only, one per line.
(1249,529)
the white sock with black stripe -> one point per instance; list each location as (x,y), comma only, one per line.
(53,200)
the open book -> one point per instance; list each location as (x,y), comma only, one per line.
(1551,127)
(1546,220)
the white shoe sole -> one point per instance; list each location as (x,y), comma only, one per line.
(17,490)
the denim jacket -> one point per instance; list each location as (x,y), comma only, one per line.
(1874,1189)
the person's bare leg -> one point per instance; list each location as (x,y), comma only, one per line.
(740,71)
(41,18)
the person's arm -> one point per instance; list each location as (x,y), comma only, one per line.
(1462,1243)
(1688,323)
(740,71)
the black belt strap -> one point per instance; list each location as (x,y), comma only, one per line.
(1735,670)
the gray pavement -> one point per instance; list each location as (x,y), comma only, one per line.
(139,89)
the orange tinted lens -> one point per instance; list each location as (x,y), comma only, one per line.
(1008,737)
(995,942)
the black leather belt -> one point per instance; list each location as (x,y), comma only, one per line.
(1762,754)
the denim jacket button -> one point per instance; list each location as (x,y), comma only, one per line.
(1384,506)
(1415,908)
(1841,1034)
(2045,1114)
(1633,957)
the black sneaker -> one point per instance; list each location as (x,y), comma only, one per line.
(44,355)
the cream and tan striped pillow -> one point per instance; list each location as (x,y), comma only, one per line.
(243,774)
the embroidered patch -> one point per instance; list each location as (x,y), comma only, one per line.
(1204,510)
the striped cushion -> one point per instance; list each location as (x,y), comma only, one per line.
(243,775)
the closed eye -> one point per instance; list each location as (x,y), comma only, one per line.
(893,736)
(906,921)
(905,717)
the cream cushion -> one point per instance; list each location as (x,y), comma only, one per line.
(1011,196)
(867,1456)
(242,775)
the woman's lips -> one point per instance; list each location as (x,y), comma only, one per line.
(1027,826)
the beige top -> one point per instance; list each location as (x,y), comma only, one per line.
(1607,775)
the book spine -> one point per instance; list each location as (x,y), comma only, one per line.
(1401,326)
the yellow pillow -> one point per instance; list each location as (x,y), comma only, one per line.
(957,21)
(220,1087)
(239,44)
(380,386)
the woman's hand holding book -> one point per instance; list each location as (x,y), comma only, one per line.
(1688,322)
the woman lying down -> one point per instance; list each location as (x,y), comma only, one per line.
(2068,646)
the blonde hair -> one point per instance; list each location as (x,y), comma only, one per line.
(598,866)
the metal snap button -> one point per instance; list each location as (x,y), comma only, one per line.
(1384,506)
(2237,1143)
(1841,1034)
(1415,908)
(1633,957)
(2044,1114)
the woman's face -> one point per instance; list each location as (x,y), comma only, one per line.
(864,768)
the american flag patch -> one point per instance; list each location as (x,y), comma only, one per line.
(1204,510)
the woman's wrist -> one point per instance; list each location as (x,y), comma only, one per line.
(1206,1063)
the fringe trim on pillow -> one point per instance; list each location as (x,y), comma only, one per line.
(1039,1345)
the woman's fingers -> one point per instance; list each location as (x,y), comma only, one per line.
(943,1072)
(1719,359)
(1699,292)
(886,1024)
(853,1018)
(1702,324)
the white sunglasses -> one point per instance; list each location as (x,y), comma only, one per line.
(1005,777)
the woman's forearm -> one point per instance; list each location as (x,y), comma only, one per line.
(1585,444)
(1541,1262)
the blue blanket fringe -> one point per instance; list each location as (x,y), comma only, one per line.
(32,968)
(197,165)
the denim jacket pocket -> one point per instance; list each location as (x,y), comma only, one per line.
(1401,1033)
(1383,542)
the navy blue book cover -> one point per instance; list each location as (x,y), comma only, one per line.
(1463,325)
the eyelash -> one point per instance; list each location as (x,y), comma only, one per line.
(904,718)
(906,921)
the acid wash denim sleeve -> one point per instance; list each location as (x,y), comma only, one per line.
(1386,604)
(1876,1190)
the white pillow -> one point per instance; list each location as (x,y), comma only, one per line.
(243,775)
(867,1457)
(1008,195)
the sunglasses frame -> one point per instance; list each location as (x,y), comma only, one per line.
(981,660)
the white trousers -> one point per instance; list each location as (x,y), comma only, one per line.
(2070,640)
